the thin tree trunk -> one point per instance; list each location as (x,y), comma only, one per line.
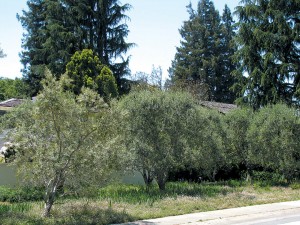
(213,176)
(161,184)
(248,174)
(161,181)
(51,191)
(48,204)
(148,178)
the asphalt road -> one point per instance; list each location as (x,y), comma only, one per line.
(287,213)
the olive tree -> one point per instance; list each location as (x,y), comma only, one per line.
(237,149)
(274,140)
(155,131)
(206,139)
(63,139)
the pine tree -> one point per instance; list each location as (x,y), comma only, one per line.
(268,53)
(227,48)
(56,29)
(200,57)
(32,56)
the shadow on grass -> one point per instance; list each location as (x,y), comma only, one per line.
(77,215)
(137,194)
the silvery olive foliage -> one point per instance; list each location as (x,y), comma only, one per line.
(64,140)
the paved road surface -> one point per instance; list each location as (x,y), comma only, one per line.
(285,213)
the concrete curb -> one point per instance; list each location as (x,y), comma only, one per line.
(226,215)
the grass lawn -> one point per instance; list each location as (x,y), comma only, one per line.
(123,203)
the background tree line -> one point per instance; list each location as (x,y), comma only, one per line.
(56,29)
(12,88)
(253,61)
(205,52)
(170,136)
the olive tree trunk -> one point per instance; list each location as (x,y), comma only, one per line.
(147,176)
(161,179)
(50,194)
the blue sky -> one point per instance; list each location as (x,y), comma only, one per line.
(153,27)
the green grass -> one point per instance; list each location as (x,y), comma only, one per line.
(124,203)
(85,214)
(295,186)
(13,208)
(19,195)
(137,194)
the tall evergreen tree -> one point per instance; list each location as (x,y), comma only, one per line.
(32,56)
(202,55)
(227,48)
(268,53)
(56,29)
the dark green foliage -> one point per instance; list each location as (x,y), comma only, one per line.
(227,46)
(265,178)
(205,51)
(268,54)
(295,186)
(21,194)
(55,30)
(33,56)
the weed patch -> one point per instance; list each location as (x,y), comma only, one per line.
(137,194)
(125,203)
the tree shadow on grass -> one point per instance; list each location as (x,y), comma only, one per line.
(79,215)
(137,194)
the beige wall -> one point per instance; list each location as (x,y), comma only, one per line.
(7,175)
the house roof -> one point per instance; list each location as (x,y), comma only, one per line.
(221,107)
(11,102)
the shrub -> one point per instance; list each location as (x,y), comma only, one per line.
(274,141)
(20,194)
(295,186)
